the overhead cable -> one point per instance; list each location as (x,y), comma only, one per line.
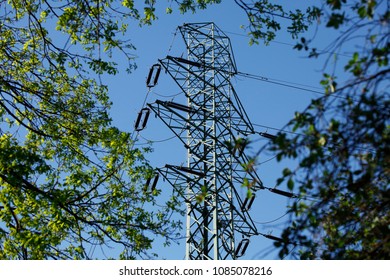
(289,44)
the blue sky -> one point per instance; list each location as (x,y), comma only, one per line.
(267,104)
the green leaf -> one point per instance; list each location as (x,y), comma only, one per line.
(286,172)
(336,20)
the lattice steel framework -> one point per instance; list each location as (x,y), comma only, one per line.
(209,126)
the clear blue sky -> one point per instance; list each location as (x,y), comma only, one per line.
(266,104)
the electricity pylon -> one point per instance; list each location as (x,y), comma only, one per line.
(213,127)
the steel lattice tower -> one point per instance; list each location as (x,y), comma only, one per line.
(209,125)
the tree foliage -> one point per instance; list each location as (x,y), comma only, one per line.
(69,180)
(342,140)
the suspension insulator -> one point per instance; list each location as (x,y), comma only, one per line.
(283,193)
(274,238)
(152,186)
(248,203)
(186,169)
(267,135)
(142,119)
(241,248)
(154,73)
(175,105)
(186,61)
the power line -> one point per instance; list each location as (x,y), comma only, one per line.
(289,195)
(274,220)
(282,82)
(267,160)
(276,129)
(158,141)
(299,86)
(166,96)
(288,44)
(286,84)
